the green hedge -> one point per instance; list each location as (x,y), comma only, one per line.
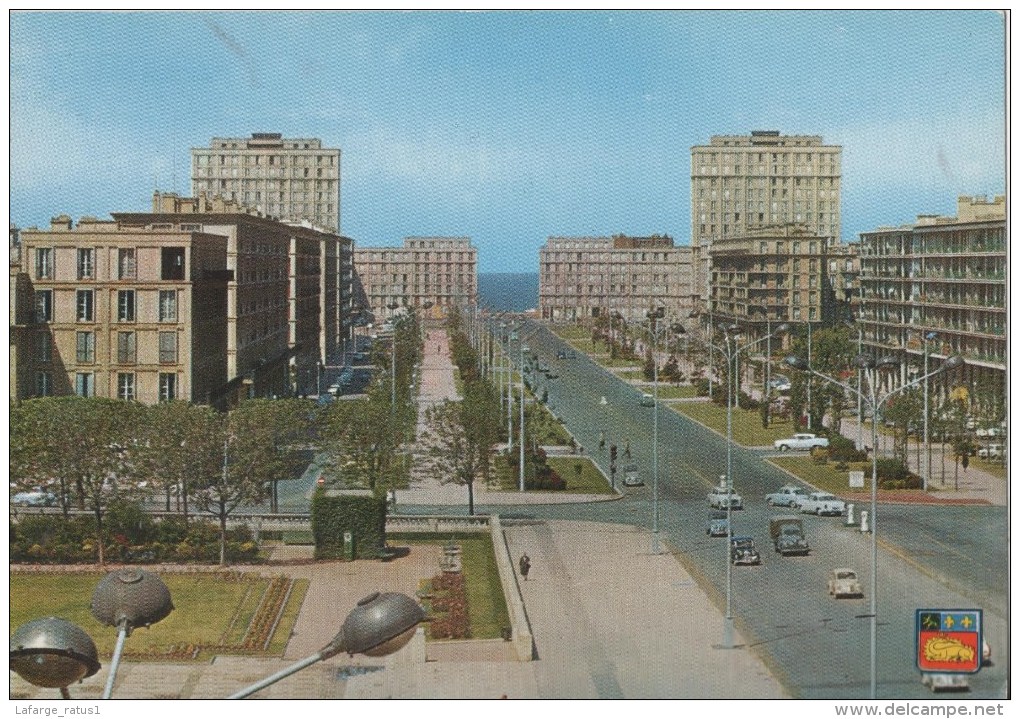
(364,517)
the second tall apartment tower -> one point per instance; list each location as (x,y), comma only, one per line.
(290,179)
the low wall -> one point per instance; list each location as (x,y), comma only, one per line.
(521,637)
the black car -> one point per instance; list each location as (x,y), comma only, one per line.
(742,551)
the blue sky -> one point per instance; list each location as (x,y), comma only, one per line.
(506,127)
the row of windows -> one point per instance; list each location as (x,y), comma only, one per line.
(171,265)
(277,172)
(258,159)
(85,385)
(85,347)
(85,305)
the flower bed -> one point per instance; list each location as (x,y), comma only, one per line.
(448,604)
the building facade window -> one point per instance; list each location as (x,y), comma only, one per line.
(125,305)
(168,347)
(43,347)
(43,384)
(44,305)
(126,267)
(86,263)
(85,347)
(168,305)
(44,263)
(125,385)
(167,386)
(126,353)
(85,384)
(85,304)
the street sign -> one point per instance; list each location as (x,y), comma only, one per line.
(948,640)
(856,479)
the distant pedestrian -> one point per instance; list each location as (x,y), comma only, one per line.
(626,448)
(602,440)
(525,566)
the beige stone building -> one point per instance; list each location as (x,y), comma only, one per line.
(131,313)
(740,182)
(941,275)
(291,179)
(440,270)
(584,277)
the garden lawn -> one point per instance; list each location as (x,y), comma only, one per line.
(590,481)
(209,610)
(570,332)
(747,429)
(681,392)
(825,476)
(993,468)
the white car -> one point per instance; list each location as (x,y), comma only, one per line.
(719,497)
(789,495)
(37,498)
(647,400)
(992,451)
(843,582)
(822,503)
(800,441)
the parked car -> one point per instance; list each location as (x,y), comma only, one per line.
(743,551)
(780,383)
(992,451)
(800,441)
(561,354)
(717,525)
(822,503)
(843,582)
(988,432)
(647,400)
(719,497)
(35,498)
(939,682)
(787,534)
(789,495)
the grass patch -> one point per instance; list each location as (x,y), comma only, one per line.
(589,481)
(210,610)
(824,476)
(747,429)
(993,467)
(619,362)
(634,374)
(299,537)
(570,332)
(679,392)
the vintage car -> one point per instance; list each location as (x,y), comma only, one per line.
(647,400)
(789,495)
(742,551)
(632,476)
(717,525)
(992,451)
(843,583)
(940,682)
(719,497)
(800,441)
(822,503)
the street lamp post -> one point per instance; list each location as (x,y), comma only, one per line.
(520,466)
(655,330)
(731,351)
(927,448)
(870,367)
(53,653)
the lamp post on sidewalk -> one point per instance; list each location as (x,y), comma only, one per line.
(654,316)
(928,337)
(871,367)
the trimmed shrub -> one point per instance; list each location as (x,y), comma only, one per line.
(364,517)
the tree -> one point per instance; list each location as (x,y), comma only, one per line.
(460,436)
(363,441)
(85,443)
(904,410)
(255,452)
(176,444)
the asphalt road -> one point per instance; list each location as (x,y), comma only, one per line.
(929,557)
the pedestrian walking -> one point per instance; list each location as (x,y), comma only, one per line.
(626,448)
(602,440)
(525,566)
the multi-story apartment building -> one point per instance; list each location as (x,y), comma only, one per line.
(292,179)
(288,300)
(739,182)
(134,313)
(941,275)
(588,276)
(440,270)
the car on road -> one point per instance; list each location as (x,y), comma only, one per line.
(822,503)
(722,496)
(843,582)
(561,354)
(801,440)
(631,476)
(647,400)
(35,498)
(789,495)
(941,682)
(780,383)
(743,551)
(717,525)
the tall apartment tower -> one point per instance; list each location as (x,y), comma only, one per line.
(740,182)
(290,179)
